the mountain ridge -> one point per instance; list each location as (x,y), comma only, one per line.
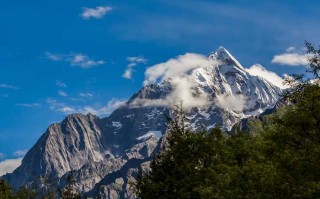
(91,148)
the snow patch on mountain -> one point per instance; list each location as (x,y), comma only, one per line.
(260,71)
(118,125)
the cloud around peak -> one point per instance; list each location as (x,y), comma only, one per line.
(183,89)
(175,67)
(183,86)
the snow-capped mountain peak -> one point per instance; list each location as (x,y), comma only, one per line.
(224,56)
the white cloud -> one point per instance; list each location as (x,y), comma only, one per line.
(292,57)
(62,93)
(9,165)
(54,57)
(96,13)
(183,90)
(139,59)
(96,110)
(75,59)
(183,87)
(61,84)
(8,86)
(127,73)
(133,61)
(291,49)
(67,110)
(175,67)
(232,102)
(20,153)
(32,105)
(260,71)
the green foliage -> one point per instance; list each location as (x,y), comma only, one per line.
(187,161)
(25,193)
(5,191)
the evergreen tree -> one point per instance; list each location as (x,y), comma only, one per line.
(25,193)
(5,191)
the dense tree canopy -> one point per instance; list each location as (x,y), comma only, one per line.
(5,191)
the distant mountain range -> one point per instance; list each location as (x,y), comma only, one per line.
(105,154)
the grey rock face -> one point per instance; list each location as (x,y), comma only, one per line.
(105,155)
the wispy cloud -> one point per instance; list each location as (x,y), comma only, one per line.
(292,57)
(85,94)
(67,110)
(20,153)
(75,59)
(97,12)
(133,61)
(96,110)
(9,165)
(32,105)
(8,86)
(54,104)
(61,84)
(139,59)
(62,93)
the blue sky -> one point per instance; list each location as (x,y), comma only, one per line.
(59,57)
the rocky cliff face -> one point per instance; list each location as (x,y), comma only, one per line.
(104,155)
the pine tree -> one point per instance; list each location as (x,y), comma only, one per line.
(5,191)
(25,193)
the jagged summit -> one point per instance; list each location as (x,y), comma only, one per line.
(224,56)
(222,49)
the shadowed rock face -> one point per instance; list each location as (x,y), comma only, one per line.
(103,155)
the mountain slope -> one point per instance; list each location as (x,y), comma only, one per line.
(103,154)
